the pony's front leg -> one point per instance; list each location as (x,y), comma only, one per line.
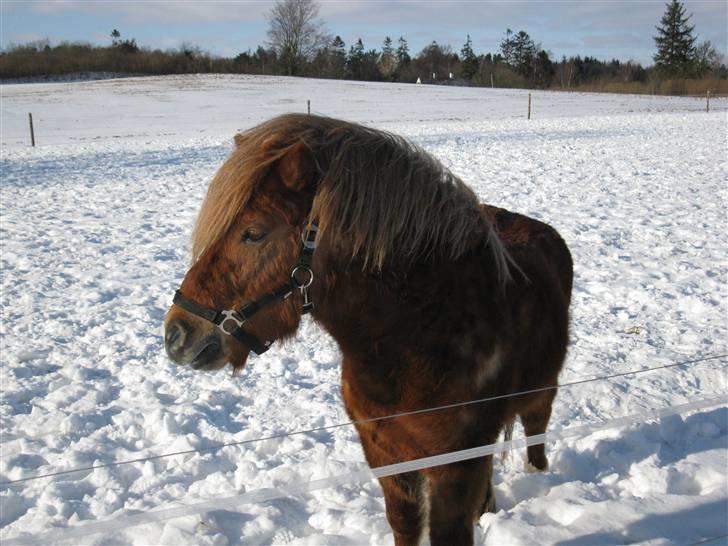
(404,495)
(456,497)
(404,500)
(535,418)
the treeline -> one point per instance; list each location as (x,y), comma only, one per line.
(41,60)
(520,62)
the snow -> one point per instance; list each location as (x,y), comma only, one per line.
(171,108)
(94,227)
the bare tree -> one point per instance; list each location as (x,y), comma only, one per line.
(565,72)
(706,58)
(295,32)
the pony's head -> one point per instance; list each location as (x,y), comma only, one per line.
(378,201)
(246,242)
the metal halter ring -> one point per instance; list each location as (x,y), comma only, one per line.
(230,315)
(306,269)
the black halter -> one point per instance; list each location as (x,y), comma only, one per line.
(231,321)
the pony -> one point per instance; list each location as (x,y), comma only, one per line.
(433,299)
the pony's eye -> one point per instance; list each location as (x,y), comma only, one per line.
(252,236)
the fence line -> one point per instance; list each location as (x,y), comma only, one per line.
(122,523)
(69,138)
(361,421)
(708,540)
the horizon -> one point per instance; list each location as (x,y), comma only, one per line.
(225,28)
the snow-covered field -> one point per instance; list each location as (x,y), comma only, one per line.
(94,228)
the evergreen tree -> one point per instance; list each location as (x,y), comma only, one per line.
(337,58)
(519,52)
(675,42)
(403,56)
(468,60)
(525,54)
(370,66)
(338,46)
(507,48)
(387,46)
(355,60)
(543,69)
(387,61)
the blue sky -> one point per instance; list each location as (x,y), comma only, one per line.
(606,29)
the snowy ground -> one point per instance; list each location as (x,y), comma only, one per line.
(150,110)
(94,229)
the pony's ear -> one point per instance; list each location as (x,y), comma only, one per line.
(238,138)
(296,168)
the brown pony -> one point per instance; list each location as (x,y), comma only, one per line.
(432,298)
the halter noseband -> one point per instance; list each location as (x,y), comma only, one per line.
(231,321)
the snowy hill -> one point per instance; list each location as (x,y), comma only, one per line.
(95,224)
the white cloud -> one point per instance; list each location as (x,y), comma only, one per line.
(161,11)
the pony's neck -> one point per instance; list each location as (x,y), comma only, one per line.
(423,308)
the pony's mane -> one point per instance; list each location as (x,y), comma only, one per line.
(379,198)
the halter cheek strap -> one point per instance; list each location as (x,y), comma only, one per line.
(231,321)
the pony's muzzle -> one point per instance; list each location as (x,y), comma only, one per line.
(184,347)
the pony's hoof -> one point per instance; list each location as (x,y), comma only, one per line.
(488,506)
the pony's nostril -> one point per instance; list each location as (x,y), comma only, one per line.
(174,334)
(174,338)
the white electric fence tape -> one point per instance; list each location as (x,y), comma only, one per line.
(213,448)
(123,523)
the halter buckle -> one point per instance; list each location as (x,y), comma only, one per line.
(230,315)
(308,238)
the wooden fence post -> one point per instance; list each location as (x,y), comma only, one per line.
(32,133)
(308,105)
(529,106)
(707,100)
(491,80)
